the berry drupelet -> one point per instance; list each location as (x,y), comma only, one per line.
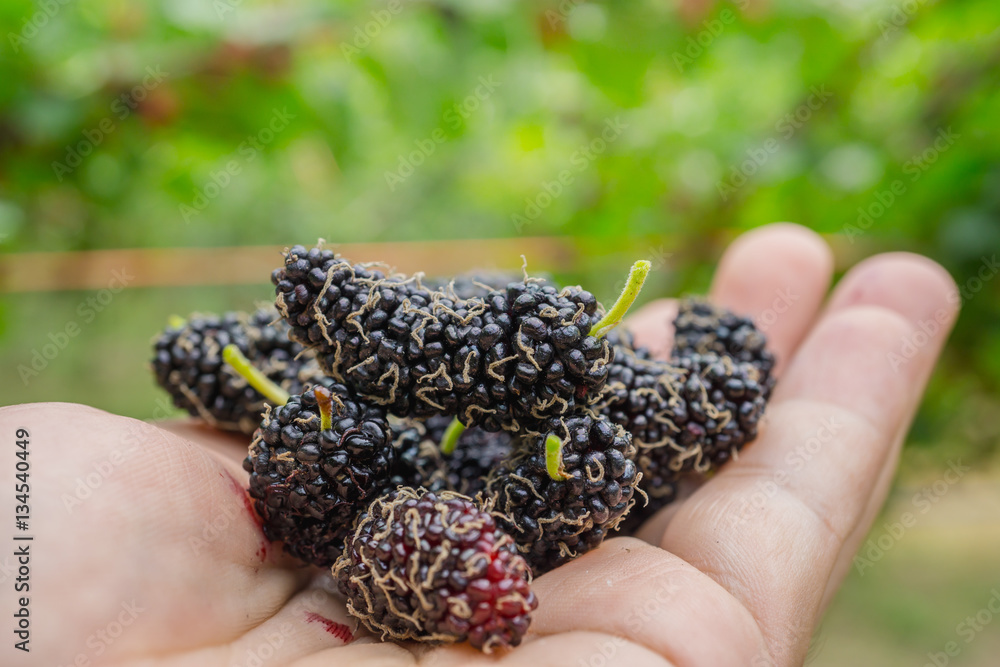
(503,361)
(435,567)
(419,461)
(189,364)
(315,464)
(563,491)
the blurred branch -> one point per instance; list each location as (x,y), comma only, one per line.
(159,267)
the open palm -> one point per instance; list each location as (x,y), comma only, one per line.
(146,550)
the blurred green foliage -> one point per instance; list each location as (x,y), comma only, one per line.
(646,128)
(196,123)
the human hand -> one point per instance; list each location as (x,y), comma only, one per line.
(146,550)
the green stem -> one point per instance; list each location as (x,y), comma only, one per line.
(324,398)
(553,458)
(451,435)
(176,321)
(272,392)
(636,277)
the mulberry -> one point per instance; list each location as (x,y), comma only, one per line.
(434,567)
(315,464)
(419,461)
(189,364)
(505,361)
(564,491)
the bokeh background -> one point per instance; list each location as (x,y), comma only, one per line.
(175,146)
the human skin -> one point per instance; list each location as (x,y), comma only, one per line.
(146,552)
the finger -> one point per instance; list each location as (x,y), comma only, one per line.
(649,597)
(226,445)
(933,327)
(790,503)
(779,276)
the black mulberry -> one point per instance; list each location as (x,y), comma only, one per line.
(188,363)
(315,464)
(419,461)
(701,328)
(565,490)
(508,360)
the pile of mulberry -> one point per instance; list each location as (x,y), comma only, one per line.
(435,568)
(309,480)
(188,364)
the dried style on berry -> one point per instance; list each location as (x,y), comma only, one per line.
(434,567)
(419,461)
(188,364)
(310,477)
(565,489)
(505,361)
(475,284)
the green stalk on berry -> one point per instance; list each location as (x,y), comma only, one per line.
(554,458)
(636,277)
(232,355)
(451,435)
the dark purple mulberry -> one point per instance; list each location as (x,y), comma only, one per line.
(505,361)
(419,461)
(556,520)
(188,364)
(308,482)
